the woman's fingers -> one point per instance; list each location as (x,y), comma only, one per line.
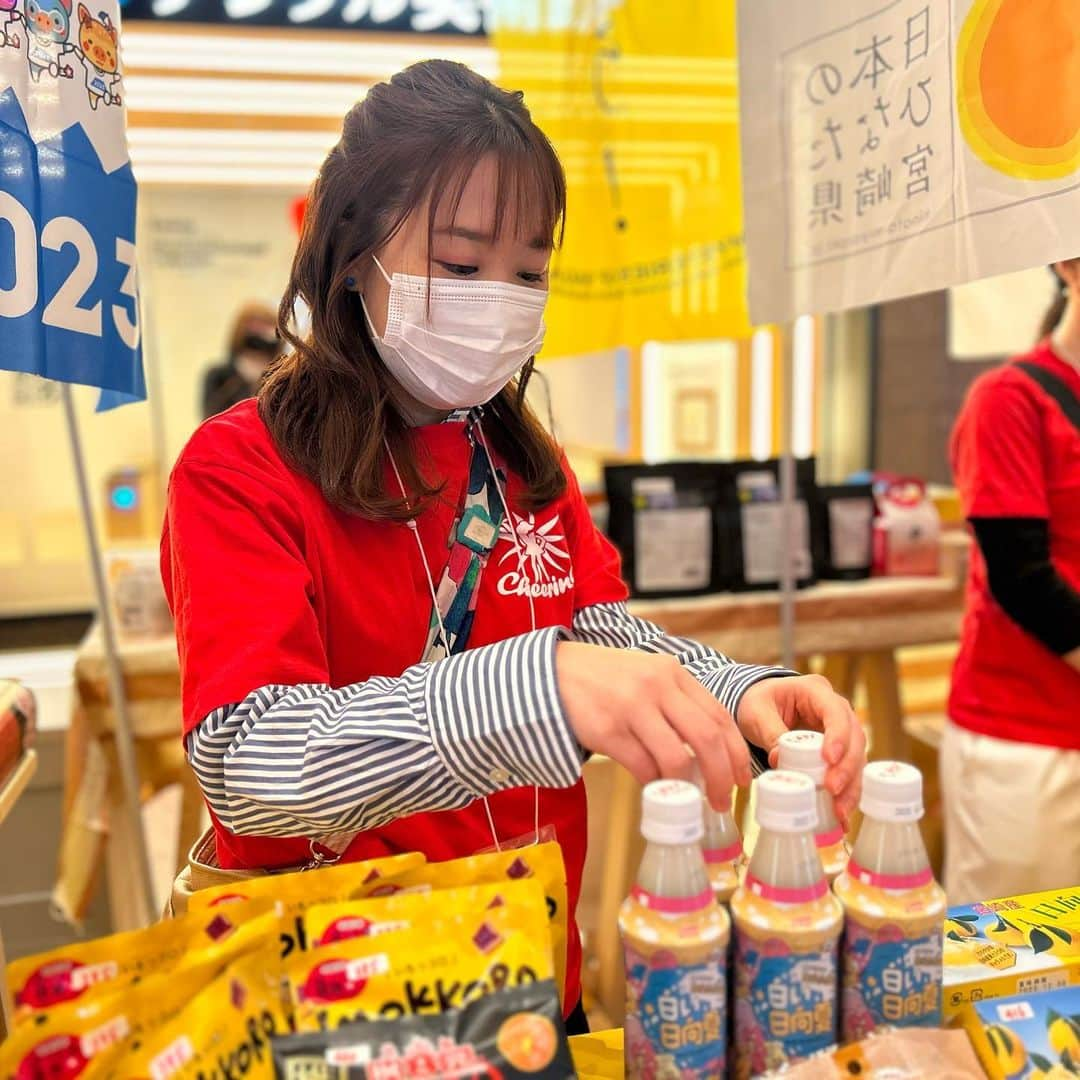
(651,726)
(719,719)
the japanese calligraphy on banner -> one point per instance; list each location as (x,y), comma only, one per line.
(640,101)
(397,16)
(891,148)
(68,296)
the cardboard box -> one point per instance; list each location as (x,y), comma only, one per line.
(1036,1036)
(1015,946)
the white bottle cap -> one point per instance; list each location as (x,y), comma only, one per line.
(786,802)
(671,813)
(800,751)
(892,791)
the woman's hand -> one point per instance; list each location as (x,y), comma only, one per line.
(644,710)
(773,706)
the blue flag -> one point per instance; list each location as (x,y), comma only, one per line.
(68,284)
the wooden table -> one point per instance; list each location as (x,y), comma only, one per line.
(10,790)
(856,626)
(93,788)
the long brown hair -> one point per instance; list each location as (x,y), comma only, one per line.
(330,404)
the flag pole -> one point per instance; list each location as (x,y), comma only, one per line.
(787,497)
(124,733)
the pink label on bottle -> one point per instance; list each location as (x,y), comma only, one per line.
(829,839)
(890,881)
(723,855)
(672,905)
(786,896)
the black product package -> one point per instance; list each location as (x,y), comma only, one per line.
(501,1036)
(751,523)
(843,531)
(663,520)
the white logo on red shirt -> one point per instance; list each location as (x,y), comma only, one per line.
(543,562)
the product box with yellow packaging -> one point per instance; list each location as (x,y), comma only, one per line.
(1033,1036)
(1017,945)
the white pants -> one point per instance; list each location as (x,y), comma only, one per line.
(1012,817)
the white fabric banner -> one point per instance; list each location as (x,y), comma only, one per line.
(891,148)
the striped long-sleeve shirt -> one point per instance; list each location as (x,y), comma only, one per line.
(308,759)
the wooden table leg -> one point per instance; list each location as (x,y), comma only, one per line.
(885,713)
(841,669)
(623,818)
(7,1014)
(122,874)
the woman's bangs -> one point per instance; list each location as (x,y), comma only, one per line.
(530,190)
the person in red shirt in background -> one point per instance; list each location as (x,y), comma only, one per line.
(399,629)
(1011,753)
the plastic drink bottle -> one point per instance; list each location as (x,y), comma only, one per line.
(721,845)
(893,942)
(801,751)
(787,934)
(675,937)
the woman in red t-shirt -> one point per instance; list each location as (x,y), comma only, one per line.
(399,628)
(1011,754)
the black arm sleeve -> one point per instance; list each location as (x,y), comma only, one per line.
(1025,582)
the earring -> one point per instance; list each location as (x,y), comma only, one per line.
(350,282)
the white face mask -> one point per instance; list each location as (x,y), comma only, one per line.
(464,345)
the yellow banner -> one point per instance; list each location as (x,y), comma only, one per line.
(640,100)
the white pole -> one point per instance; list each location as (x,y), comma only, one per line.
(125,736)
(787,498)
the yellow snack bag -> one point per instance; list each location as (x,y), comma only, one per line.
(328,924)
(224,1031)
(86,969)
(429,968)
(74,1039)
(544,862)
(295,893)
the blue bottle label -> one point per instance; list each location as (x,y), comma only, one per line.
(890,978)
(785,1003)
(676,1015)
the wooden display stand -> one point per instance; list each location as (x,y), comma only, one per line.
(10,791)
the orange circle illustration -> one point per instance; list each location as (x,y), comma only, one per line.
(527,1042)
(1017,93)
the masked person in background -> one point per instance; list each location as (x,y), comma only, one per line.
(253,346)
(399,628)
(1011,754)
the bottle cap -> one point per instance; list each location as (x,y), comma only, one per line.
(892,791)
(800,751)
(671,812)
(786,802)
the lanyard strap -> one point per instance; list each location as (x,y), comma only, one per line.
(472,537)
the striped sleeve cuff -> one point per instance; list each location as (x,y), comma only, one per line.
(495,718)
(729,682)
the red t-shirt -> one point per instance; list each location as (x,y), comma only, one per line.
(1015,454)
(271,585)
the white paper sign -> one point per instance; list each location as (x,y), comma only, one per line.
(672,549)
(873,164)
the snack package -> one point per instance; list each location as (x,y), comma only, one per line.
(890,1054)
(544,862)
(1017,945)
(429,968)
(328,924)
(224,1031)
(76,1038)
(87,969)
(598,1056)
(514,1033)
(295,893)
(1029,1035)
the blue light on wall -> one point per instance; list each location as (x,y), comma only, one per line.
(124,497)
